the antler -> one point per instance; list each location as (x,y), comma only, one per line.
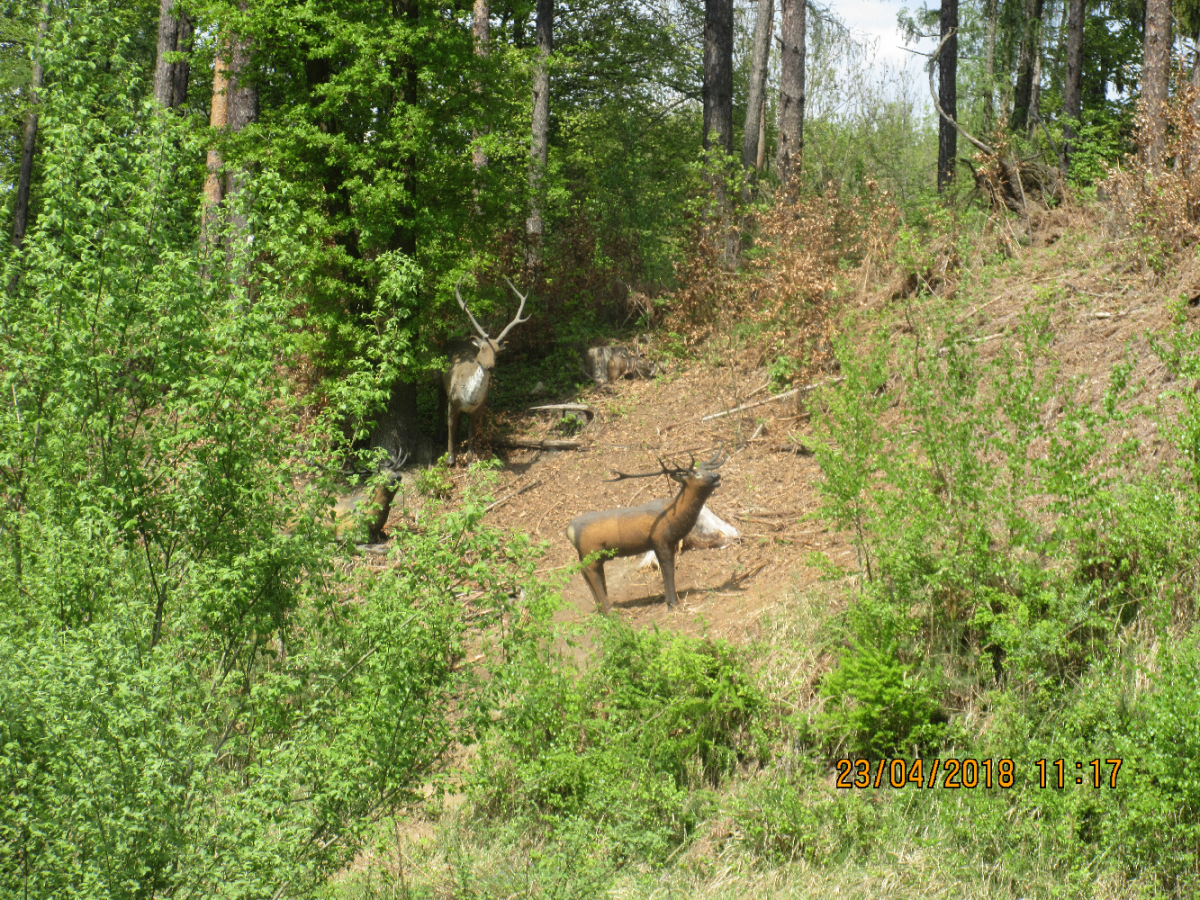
(517,320)
(664,469)
(483,334)
(713,463)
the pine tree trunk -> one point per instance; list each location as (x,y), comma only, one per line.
(1072,83)
(1156,62)
(214,183)
(791,91)
(25,178)
(539,143)
(948,94)
(171,78)
(1026,66)
(760,55)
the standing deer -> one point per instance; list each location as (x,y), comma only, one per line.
(659,526)
(470,372)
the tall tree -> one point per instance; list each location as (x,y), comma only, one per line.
(1027,66)
(791,90)
(718,74)
(760,55)
(948,93)
(540,138)
(25,178)
(1156,64)
(234,106)
(1073,80)
(171,77)
(481,20)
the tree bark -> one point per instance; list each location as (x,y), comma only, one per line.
(948,94)
(989,109)
(718,75)
(759,57)
(1156,65)
(1073,80)
(234,106)
(1030,47)
(791,91)
(25,178)
(171,78)
(539,143)
(481,34)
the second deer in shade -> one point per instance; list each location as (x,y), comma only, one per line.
(659,526)
(470,372)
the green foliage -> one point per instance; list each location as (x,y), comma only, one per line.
(624,746)
(876,706)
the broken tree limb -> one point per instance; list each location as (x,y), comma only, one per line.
(527,444)
(566,407)
(784,395)
(504,500)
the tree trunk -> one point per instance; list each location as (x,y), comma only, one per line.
(242,110)
(718,74)
(408,12)
(1030,47)
(759,58)
(948,94)
(1072,84)
(481,34)
(214,184)
(171,78)
(989,109)
(791,91)
(760,158)
(539,143)
(25,179)
(1156,64)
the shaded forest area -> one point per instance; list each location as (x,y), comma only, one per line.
(949,357)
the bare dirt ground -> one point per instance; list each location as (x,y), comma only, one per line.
(1100,309)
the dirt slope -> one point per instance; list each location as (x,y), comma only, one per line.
(1100,308)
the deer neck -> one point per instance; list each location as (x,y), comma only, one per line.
(688,502)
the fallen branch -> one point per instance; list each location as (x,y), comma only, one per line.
(527,444)
(504,500)
(784,395)
(566,407)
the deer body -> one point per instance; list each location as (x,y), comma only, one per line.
(470,374)
(659,526)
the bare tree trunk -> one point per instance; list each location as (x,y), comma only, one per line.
(989,109)
(25,179)
(214,184)
(948,94)
(481,32)
(760,158)
(791,91)
(1030,44)
(1156,63)
(539,143)
(1035,93)
(718,74)
(171,78)
(760,55)
(1073,83)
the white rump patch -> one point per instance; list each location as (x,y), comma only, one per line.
(709,533)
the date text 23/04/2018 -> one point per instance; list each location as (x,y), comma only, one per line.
(956,774)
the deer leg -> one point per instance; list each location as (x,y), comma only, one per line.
(594,576)
(476,421)
(666,563)
(451,423)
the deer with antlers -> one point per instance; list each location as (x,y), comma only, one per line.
(470,372)
(659,526)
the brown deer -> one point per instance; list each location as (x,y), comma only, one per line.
(470,373)
(659,526)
